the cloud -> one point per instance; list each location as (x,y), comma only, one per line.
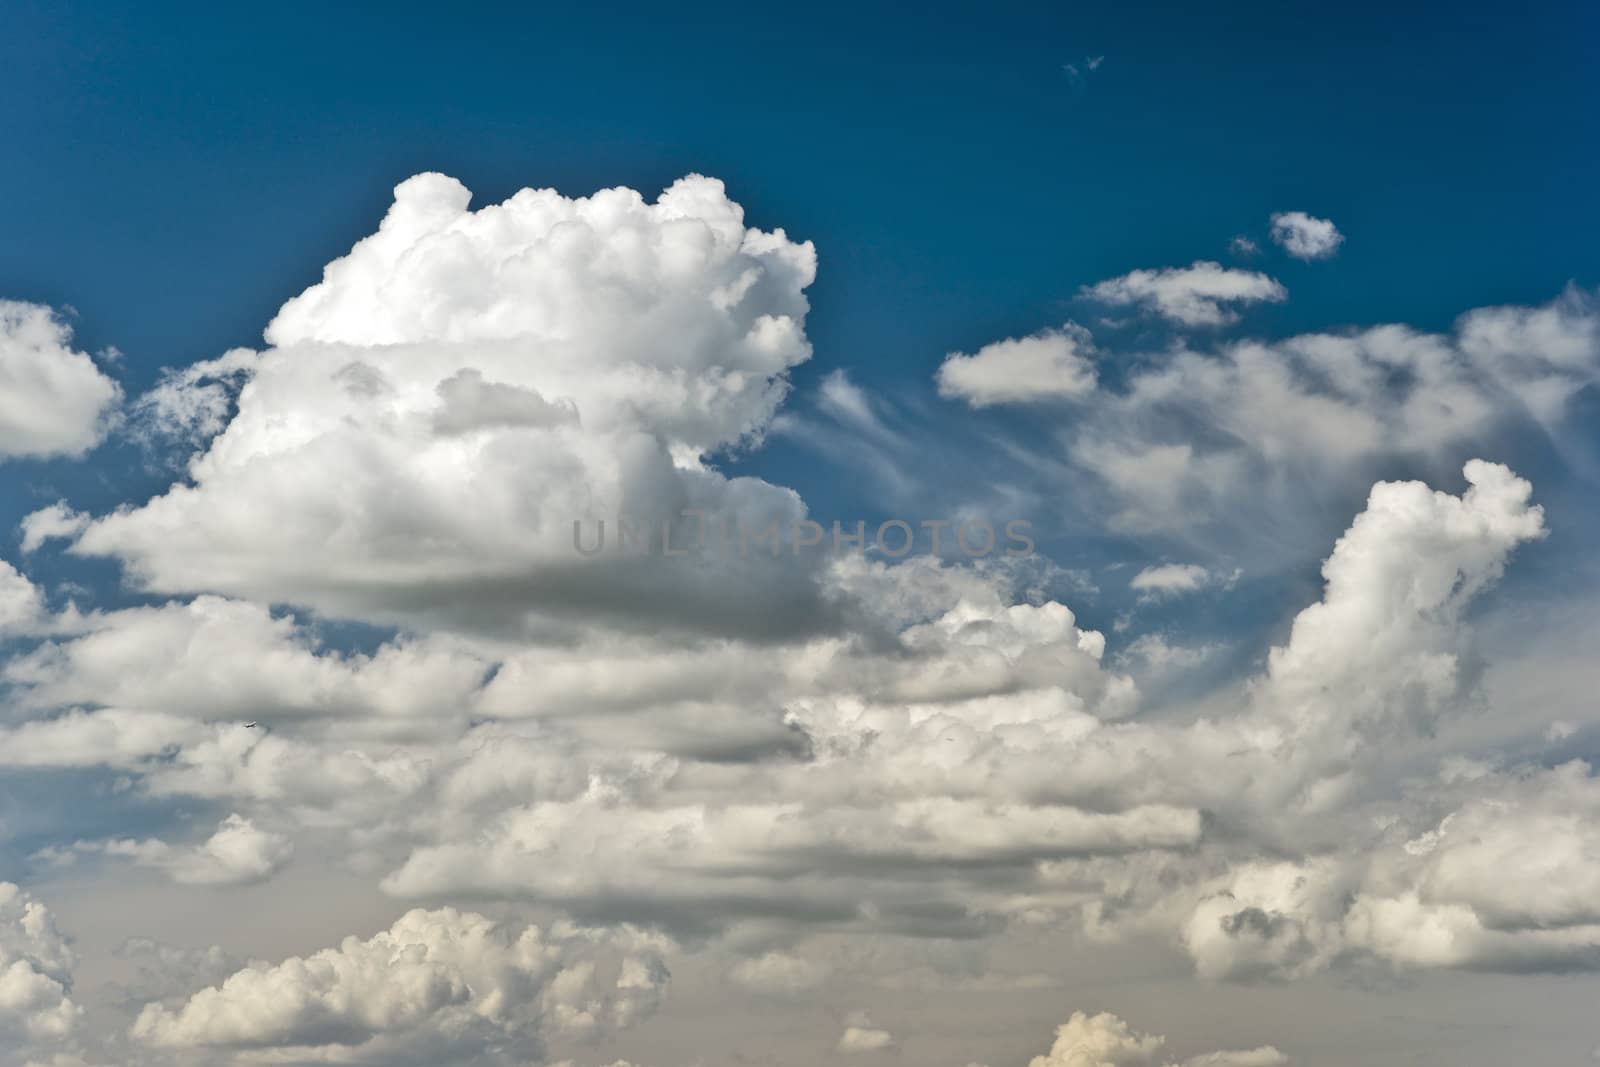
(861,1036)
(1243,445)
(779,973)
(35,972)
(438,986)
(238,853)
(22,605)
(232,661)
(1170,579)
(54,401)
(1304,236)
(1202,294)
(914,788)
(1104,1040)
(56,522)
(1053,365)
(808,771)
(461,387)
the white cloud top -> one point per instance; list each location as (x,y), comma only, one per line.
(463,386)
(1053,365)
(54,401)
(435,983)
(1305,236)
(35,972)
(1202,294)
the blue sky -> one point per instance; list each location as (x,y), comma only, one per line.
(956,185)
(180,171)
(1283,743)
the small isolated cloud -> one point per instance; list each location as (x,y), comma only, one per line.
(1243,246)
(861,1036)
(1078,73)
(53,401)
(1170,579)
(1305,236)
(1202,294)
(1051,365)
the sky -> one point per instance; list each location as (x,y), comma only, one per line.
(1244,364)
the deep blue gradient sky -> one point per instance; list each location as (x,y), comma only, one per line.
(175,172)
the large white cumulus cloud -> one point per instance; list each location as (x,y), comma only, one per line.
(438,986)
(464,385)
(54,401)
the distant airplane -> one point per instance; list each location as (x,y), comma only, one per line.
(250,725)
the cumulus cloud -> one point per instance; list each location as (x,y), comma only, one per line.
(434,415)
(1053,365)
(1104,1040)
(35,972)
(238,853)
(438,986)
(21,603)
(758,759)
(1305,236)
(916,788)
(1202,294)
(54,401)
(861,1036)
(1236,439)
(231,661)
(56,522)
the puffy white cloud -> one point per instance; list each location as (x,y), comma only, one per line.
(1256,436)
(55,522)
(1170,579)
(54,401)
(464,385)
(861,1036)
(35,972)
(949,754)
(21,604)
(1104,1040)
(438,986)
(1101,1040)
(1382,643)
(1053,365)
(1202,294)
(1503,881)
(238,853)
(1540,355)
(212,659)
(1305,236)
